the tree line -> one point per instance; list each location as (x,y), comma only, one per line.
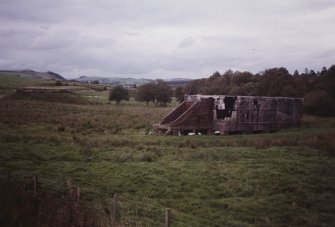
(317,88)
(158,92)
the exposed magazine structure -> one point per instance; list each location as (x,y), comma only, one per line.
(225,114)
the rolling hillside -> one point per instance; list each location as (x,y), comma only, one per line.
(10,80)
(128,81)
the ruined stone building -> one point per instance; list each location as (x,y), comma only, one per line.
(232,114)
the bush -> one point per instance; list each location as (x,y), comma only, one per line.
(118,94)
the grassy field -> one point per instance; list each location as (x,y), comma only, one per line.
(9,81)
(280,179)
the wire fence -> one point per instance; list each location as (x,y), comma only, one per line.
(27,200)
(134,213)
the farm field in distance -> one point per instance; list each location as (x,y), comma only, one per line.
(285,178)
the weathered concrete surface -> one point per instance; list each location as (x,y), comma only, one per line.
(232,114)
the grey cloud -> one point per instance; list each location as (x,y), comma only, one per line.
(163,38)
(187,42)
(329,53)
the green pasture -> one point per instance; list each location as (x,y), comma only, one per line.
(279,179)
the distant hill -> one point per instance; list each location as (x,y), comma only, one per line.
(43,75)
(128,81)
(113,80)
(174,82)
(177,82)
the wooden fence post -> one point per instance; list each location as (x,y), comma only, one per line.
(69,185)
(78,194)
(8,180)
(114,209)
(8,177)
(35,185)
(167,217)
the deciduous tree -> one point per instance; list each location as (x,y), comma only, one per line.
(118,93)
(179,94)
(146,93)
(163,93)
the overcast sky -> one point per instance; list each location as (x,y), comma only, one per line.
(165,38)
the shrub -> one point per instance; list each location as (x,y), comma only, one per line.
(118,94)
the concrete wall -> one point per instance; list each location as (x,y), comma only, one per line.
(261,114)
(233,114)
